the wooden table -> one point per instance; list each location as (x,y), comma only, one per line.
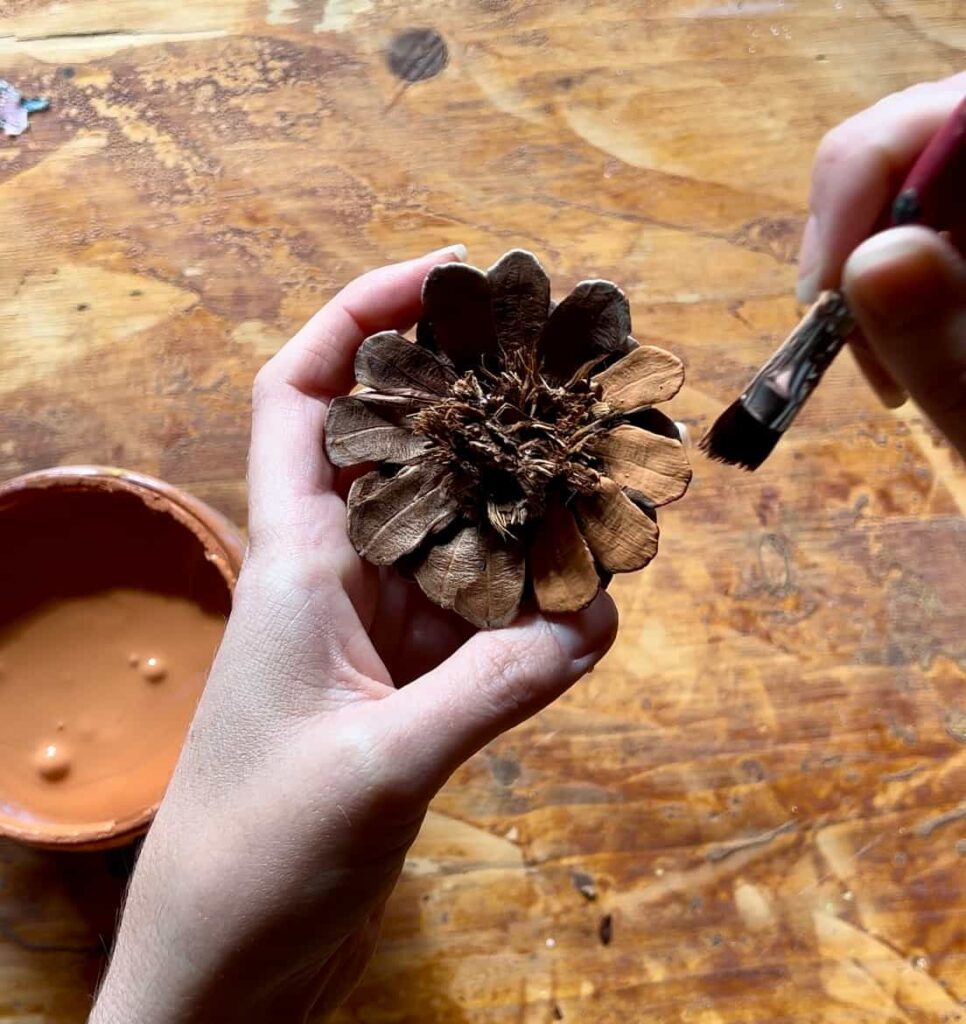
(761,789)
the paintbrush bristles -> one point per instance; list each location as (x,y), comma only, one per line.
(738,439)
(746,433)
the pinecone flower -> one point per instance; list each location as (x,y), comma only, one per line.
(516,445)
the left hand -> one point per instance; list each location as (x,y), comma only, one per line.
(306,773)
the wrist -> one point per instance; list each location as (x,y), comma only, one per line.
(150,981)
(174,960)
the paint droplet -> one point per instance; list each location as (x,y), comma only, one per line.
(154,670)
(52,761)
(848,896)
(417,54)
(551,942)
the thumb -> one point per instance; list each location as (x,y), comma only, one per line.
(907,290)
(496,680)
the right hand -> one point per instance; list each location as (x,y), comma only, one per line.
(906,286)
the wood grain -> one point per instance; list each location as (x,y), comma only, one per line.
(763,780)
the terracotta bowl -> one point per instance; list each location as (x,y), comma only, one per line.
(53,523)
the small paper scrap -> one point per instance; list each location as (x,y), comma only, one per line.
(15,109)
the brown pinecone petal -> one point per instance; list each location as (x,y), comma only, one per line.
(389,362)
(365,486)
(371,428)
(646,376)
(621,536)
(391,519)
(561,566)
(654,465)
(451,566)
(457,303)
(594,319)
(521,299)
(492,600)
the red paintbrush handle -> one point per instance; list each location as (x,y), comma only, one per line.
(934,193)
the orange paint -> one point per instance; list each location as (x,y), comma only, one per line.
(112,605)
(67,662)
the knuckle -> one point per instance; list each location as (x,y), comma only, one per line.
(505,679)
(393,794)
(264,385)
(833,150)
(269,545)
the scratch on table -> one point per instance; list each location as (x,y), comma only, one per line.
(723,850)
(926,829)
(906,773)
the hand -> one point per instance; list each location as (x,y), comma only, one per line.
(906,286)
(306,774)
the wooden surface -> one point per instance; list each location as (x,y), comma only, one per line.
(763,783)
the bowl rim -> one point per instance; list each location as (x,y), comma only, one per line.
(224,547)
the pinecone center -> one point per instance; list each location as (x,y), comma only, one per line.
(513,441)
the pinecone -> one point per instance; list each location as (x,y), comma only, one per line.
(515,442)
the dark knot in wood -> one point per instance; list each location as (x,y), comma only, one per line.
(417,54)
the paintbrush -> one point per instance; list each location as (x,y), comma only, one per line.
(745,434)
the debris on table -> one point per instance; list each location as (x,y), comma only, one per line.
(606,930)
(585,885)
(15,109)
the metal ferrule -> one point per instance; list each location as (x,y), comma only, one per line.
(784,383)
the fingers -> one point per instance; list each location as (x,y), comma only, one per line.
(318,360)
(410,633)
(287,464)
(494,681)
(859,168)
(907,290)
(890,393)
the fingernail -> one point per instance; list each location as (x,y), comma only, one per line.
(809,263)
(458,251)
(890,394)
(885,247)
